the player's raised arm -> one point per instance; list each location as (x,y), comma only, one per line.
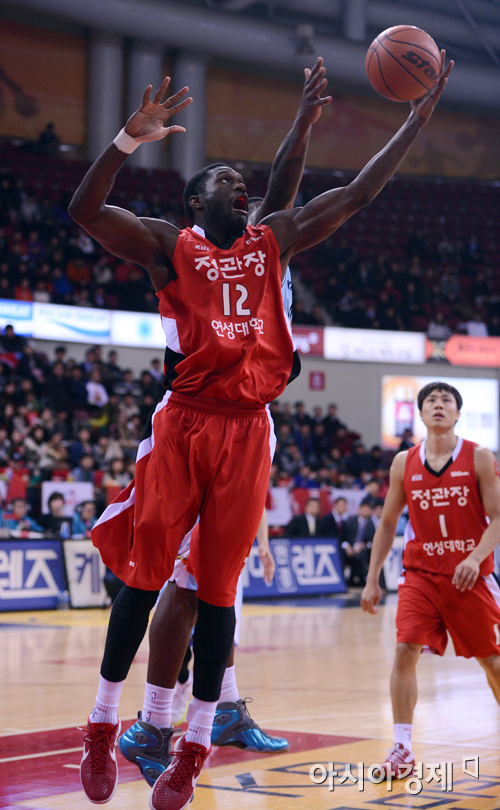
(385,533)
(144,241)
(467,572)
(288,165)
(302,228)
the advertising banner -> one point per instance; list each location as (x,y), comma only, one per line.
(393,564)
(462,350)
(77,324)
(303,566)
(309,340)
(478,418)
(374,345)
(85,572)
(137,329)
(19,314)
(31,574)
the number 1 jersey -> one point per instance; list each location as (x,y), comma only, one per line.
(223,318)
(447,517)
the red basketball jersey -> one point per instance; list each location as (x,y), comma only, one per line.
(447,518)
(223,315)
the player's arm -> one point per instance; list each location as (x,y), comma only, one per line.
(141,240)
(288,165)
(265,555)
(467,572)
(385,533)
(302,228)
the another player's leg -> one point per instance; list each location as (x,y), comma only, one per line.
(127,627)
(182,690)
(232,722)
(147,743)
(404,698)
(491,666)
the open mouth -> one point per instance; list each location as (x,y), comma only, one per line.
(241,203)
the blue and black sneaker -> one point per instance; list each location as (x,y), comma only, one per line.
(233,726)
(149,747)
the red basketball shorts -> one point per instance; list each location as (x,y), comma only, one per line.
(204,458)
(429,605)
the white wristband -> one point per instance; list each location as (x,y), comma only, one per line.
(125,143)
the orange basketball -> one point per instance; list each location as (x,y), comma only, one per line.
(403,63)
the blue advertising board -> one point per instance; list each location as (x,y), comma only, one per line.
(31,574)
(303,566)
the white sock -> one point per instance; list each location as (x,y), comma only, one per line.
(157,708)
(202,715)
(402,734)
(229,690)
(106,702)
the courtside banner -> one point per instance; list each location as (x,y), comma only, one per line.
(85,571)
(303,566)
(394,564)
(31,574)
(374,345)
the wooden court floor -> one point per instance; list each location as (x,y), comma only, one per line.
(317,674)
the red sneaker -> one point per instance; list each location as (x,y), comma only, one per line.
(400,760)
(174,788)
(98,768)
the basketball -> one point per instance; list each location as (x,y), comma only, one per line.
(403,63)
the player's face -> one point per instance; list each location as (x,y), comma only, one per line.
(439,410)
(226,198)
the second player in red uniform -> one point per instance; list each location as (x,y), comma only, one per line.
(451,486)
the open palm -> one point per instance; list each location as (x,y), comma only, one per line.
(148,122)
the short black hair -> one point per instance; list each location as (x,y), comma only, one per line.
(196,186)
(439,386)
(56,496)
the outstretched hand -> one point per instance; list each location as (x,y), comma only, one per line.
(423,107)
(312,103)
(148,122)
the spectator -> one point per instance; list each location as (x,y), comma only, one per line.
(48,141)
(332,525)
(156,369)
(475,327)
(84,471)
(18,519)
(437,328)
(406,440)
(84,519)
(97,396)
(81,447)
(55,523)
(305,525)
(56,455)
(358,535)
(372,493)
(10,341)
(116,477)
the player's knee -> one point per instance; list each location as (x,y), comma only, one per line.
(491,664)
(407,655)
(214,631)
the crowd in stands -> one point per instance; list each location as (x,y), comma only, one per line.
(423,256)
(66,421)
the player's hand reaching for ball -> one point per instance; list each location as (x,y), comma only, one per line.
(268,564)
(148,123)
(466,574)
(422,108)
(371,596)
(312,103)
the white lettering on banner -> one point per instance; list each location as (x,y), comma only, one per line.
(371,345)
(79,324)
(12,564)
(85,571)
(313,564)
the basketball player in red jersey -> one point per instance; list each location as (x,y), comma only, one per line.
(450,486)
(219,290)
